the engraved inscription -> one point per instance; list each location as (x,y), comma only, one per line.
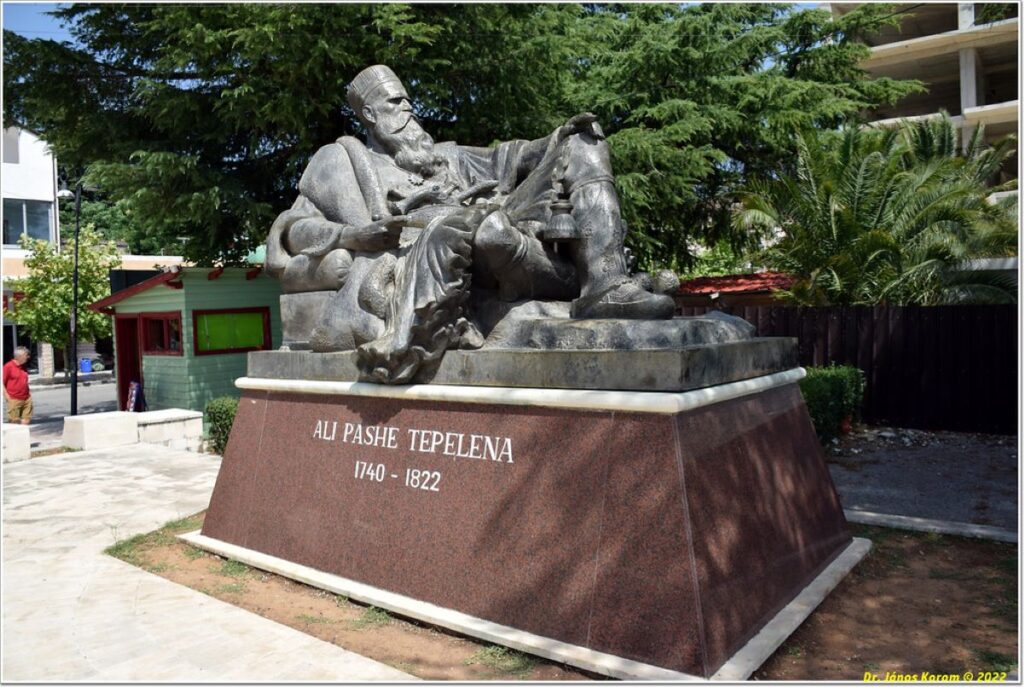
(454,445)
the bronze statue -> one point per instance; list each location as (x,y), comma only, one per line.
(400,227)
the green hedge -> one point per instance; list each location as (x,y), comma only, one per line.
(832,394)
(220,415)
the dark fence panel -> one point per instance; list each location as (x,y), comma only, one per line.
(943,367)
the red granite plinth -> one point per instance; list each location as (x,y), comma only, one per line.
(665,539)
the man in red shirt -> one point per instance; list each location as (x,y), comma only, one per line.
(19,400)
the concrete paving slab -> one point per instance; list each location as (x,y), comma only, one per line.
(970,479)
(71,613)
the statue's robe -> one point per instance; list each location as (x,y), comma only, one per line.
(401,307)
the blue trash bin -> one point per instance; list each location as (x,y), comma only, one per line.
(85,365)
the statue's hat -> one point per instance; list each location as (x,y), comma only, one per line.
(371,83)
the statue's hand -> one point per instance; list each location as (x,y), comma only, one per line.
(430,195)
(380,235)
(585,123)
(326,242)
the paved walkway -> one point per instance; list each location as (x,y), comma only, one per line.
(963,479)
(46,435)
(71,613)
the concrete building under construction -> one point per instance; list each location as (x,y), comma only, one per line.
(966,54)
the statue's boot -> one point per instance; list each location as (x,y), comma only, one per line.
(606,290)
(626,301)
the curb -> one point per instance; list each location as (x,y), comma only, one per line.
(904,522)
(39,384)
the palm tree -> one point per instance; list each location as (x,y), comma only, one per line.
(887,215)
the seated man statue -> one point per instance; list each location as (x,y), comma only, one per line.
(399,227)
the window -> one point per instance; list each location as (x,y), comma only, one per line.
(11,136)
(14,221)
(231,331)
(32,217)
(161,333)
(37,219)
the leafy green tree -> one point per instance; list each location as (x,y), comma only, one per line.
(113,221)
(698,99)
(201,118)
(719,259)
(198,119)
(46,308)
(994,11)
(873,216)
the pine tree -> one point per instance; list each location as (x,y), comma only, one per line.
(198,119)
(699,99)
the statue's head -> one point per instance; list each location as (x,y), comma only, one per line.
(379,99)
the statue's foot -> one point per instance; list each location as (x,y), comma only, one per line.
(377,360)
(328,273)
(470,336)
(625,301)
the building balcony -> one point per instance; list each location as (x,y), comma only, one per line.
(996,197)
(898,59)
(995,114)
(988,115)
(916,20)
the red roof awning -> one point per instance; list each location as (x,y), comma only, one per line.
(757,282)
(103,305)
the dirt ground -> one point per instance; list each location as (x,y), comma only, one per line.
(50,451)
(917,602)
(426,652)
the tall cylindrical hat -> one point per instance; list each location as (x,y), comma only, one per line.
(372,83)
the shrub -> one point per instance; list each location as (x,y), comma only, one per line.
(832,394)
(220,415)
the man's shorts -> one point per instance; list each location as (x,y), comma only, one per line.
(19,410)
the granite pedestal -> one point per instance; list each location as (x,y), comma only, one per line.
(659,532)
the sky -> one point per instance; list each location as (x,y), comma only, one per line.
(28,20)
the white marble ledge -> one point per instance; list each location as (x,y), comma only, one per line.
(628,401)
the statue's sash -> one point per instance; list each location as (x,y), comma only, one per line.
(366,177)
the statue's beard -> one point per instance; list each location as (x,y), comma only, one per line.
(411,146)
(422,161)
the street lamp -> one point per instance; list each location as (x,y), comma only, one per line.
(65,194)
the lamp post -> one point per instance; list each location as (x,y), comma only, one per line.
(63,194)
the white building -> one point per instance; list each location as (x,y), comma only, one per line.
(967,56)
(29,189)
(29,186)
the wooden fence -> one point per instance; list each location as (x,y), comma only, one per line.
(944,367)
